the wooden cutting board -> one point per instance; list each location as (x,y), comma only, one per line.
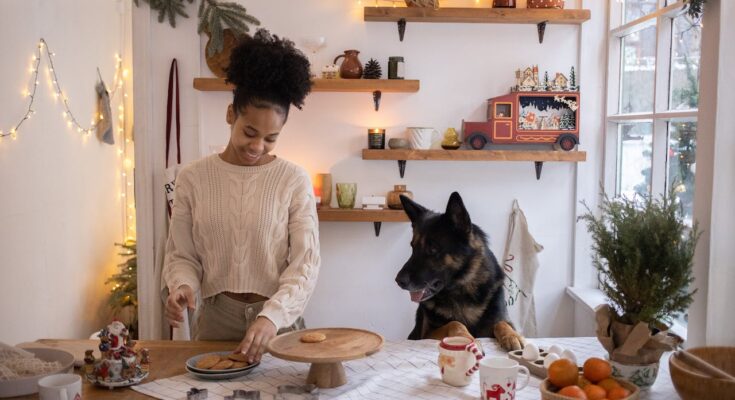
(341,344)
(75,347)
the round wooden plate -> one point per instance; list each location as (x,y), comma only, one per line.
(341,344)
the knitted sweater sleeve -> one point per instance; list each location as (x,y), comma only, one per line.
(297,281)
(182,265)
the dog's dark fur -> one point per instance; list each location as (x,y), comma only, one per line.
(461,279)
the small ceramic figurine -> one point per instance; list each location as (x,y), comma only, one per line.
(89,361)
(119,364)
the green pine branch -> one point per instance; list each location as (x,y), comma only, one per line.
(643,252)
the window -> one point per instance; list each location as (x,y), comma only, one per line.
(652,98)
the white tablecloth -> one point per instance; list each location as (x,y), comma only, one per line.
(402,370)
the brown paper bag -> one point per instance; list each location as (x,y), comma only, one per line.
(631,344)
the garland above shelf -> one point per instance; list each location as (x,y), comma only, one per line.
(539,17)
(328,214)
(537,156)
(374,86)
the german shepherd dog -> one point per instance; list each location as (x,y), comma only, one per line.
(454,277)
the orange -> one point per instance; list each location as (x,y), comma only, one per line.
(563,372)
(608,384)
(573,391)
(618,393)
(595,392)
(596,369)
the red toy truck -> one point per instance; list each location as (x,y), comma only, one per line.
(528,117)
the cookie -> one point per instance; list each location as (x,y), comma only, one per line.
(239,364)
(208,362)
(223,364)
(313,337)
(238,357)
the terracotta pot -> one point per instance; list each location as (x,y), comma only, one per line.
(351,67)
(394,201)
(219,62)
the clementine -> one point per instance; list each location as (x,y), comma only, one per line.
(596,369)
(608,384)
(595,392)
(618,393)
(573,391)
(563,372)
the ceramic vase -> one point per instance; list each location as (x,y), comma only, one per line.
(394,200)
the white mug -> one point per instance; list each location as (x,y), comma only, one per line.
(422,138)
(458,359)
(498,377)
(60,387)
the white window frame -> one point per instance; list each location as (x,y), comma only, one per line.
(660,115)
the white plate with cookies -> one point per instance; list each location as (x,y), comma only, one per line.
(219,365)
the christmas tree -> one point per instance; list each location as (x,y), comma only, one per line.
(546,81)
(572,80)
(124,293)
(566,122)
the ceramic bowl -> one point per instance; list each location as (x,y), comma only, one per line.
(29,385)
(398,143)
(692,384)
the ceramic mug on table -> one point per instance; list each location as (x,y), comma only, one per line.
(60,387)
(498,376)
(458,360)
(421,138)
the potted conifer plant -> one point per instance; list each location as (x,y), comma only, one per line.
(643,252)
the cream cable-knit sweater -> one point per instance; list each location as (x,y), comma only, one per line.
(245,230)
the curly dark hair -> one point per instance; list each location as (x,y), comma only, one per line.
(266,71)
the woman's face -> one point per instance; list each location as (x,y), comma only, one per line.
(253,133)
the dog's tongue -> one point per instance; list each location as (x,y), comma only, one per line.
(416,295)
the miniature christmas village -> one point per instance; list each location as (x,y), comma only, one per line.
(119,364)
(527,80)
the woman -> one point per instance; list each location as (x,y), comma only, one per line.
(244,228)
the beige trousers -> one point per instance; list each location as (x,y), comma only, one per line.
(222,318)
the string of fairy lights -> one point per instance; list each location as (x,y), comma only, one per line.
(123,128)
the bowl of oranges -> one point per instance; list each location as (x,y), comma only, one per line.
(595,383)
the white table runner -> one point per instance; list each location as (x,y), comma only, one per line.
(402,370)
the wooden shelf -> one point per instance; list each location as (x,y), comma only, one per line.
(538,157)
(538,17)
(476,15)
(377,217)
(327,85)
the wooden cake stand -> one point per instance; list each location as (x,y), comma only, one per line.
(341,344)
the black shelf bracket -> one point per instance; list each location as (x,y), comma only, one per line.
(377,94)
(539,165)
(402,167)
(376,225)
(541,27)
(401,28)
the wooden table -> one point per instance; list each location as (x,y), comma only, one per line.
(167,359)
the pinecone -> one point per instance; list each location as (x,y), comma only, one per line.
(372,70)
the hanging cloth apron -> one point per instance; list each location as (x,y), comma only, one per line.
(520,263)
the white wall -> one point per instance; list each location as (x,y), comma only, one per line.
(459,65)
(60,211)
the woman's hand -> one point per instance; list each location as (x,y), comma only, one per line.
(177,302)
(256,339)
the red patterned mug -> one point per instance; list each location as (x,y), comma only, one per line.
(459,359)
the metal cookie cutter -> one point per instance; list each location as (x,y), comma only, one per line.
(240,394)
(305,392)
(196,394)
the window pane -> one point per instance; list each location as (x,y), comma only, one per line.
(638,68)
(682,163)
(634,9)
(685,50)
(634,158)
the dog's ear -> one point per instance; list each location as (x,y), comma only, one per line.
(457,214)
(414,210)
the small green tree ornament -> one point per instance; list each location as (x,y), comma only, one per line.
(572,80)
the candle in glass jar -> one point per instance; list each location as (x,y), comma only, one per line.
(376,138)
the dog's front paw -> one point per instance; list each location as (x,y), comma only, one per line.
(512,341)
(507,337)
